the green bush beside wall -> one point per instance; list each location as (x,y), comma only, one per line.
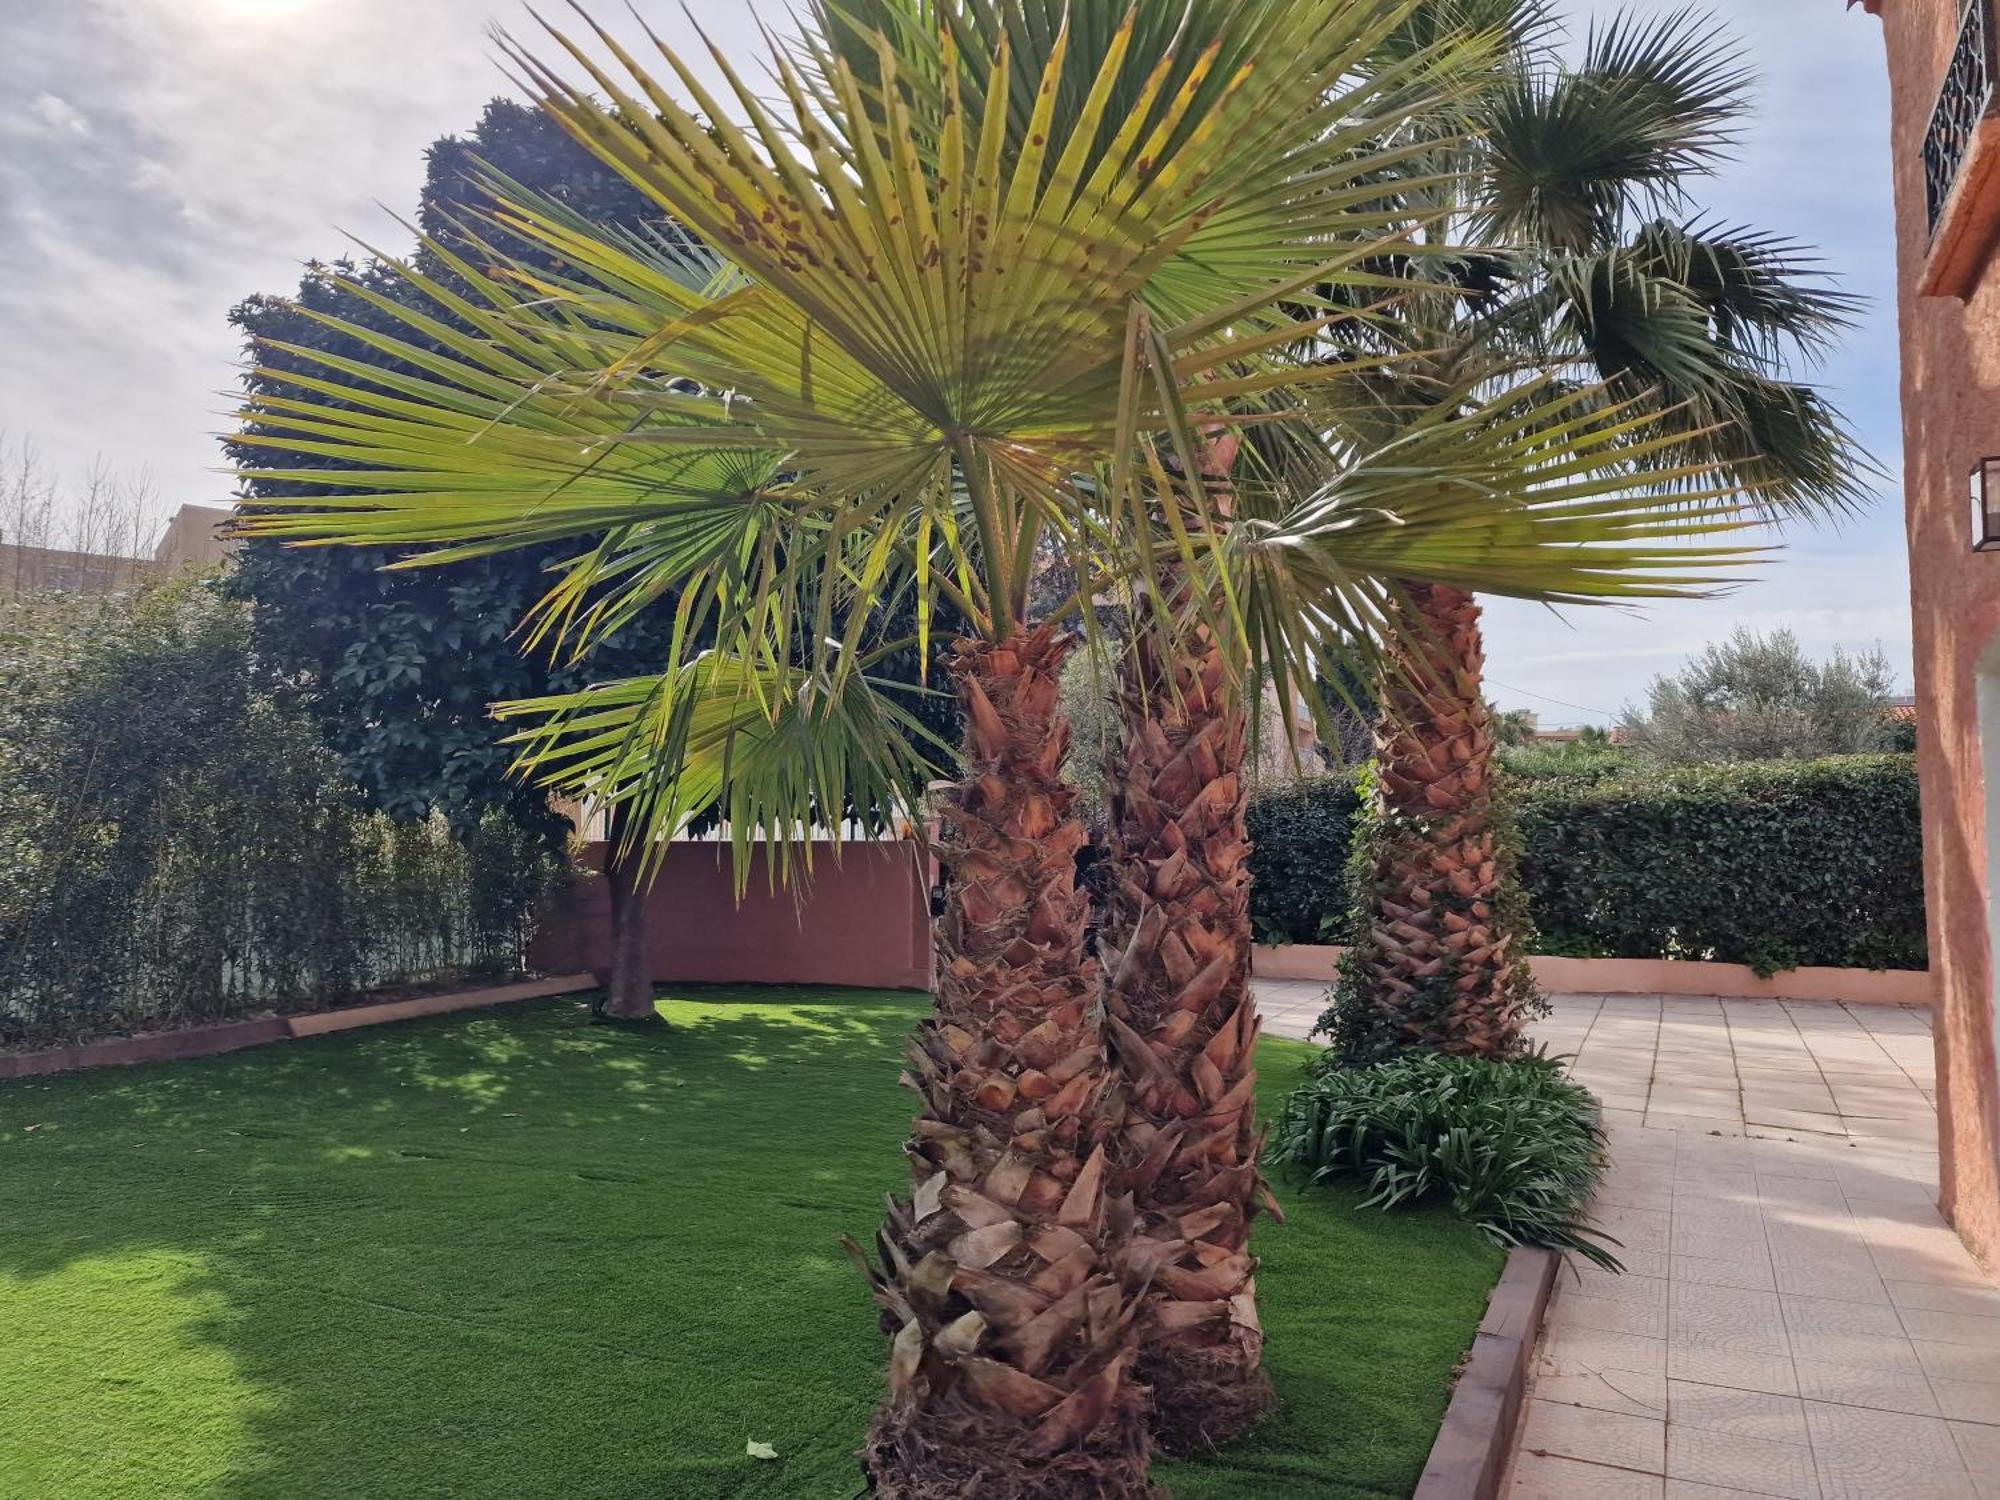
(1772,864)
(178,846)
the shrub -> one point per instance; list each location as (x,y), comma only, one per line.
(1301,831)
(177,846)
(1513,1146)
(1770,864)
(1760,697)
(1578,760)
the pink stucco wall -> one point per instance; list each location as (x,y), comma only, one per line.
(864,920)
(1951,418)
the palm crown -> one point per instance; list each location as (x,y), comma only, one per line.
(958,303)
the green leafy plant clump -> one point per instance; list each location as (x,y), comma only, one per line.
(1513,1146)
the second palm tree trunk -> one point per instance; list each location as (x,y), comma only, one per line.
(1436,946)
(1001,1276)
(1177,949)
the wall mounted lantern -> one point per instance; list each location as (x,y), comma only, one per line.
(1986,506)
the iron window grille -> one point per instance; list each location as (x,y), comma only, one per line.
(1966,99)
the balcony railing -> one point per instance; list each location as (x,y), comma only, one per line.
(1967,98)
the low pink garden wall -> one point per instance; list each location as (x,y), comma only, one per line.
(864,920)
(1656,976)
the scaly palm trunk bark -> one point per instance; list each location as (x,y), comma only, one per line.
(1013,1336)
(1177,941)
(628,981)
(1177,944)
(1436,947)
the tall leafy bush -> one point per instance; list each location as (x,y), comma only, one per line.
(178,845)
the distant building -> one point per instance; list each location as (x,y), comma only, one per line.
(191,540)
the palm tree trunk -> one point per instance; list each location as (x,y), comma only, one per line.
(1010,1371)
(1437,948)
(628,981)
(1177,943)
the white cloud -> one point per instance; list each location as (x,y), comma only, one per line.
(53,114)
(187,153)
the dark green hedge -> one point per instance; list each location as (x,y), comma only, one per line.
(1301,831)
(1772,864)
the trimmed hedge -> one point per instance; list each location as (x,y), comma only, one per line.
(1301,831)
(1774,864)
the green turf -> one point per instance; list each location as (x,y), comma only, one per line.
(514,1255)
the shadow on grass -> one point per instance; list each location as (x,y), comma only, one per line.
(517,1255)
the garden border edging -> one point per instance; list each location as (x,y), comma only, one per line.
(234,1036)
(1652,976)
(1469,1459)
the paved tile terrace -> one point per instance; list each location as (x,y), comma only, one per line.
(1795,1318)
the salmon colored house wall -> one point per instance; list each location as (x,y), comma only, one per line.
(1951,419)
(865,921)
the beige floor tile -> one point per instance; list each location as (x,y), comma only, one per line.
(1869,1351)
(1953,1328)
(1718,1408)
(1857,1385)
(1896,1441)
(1845,1283)
(1978,1446)
(1833,1315)
(1626,1392)
(1705,1330)
(1646,1320)
(1687,1489)
(1968,1401)
(1967,1362)
(1777,1117)
(1853,1475)
(1751,1274)
(1744,1372)
(1572,1350)
(1776,1190)
(1757,1464)
(1540,1478)
(1597,1437)
(1690,1237)
(1586,1280)
(1712,1125)
(1933,1263)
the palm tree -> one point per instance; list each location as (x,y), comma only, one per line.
(1577,176)
(953,316)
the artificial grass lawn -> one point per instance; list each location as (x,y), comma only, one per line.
(515,1255)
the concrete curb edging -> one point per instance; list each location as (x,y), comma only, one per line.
(1469,1459)
(1653,976)
(233,1036)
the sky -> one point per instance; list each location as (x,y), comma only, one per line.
(162,159)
